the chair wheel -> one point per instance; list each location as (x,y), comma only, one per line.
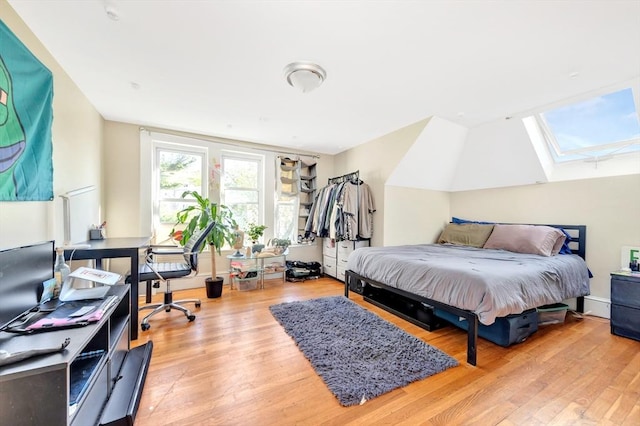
(145,327)
(198,304)
(191,317)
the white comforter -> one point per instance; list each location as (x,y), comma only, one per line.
(491,283)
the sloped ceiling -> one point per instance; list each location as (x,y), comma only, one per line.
(431,162)
(215,67)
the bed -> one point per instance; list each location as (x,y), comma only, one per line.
(479,279)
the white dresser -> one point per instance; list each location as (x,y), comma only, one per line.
(335,255)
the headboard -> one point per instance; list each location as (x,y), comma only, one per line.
(578,233)
(578,241)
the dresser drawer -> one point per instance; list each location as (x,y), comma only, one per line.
(340,274)
(625,291)
(346,247)
(329,266)
(329,247)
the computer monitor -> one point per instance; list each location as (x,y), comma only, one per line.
(22,272)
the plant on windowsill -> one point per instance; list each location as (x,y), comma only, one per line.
(199,216)
(280,244)
(255,232)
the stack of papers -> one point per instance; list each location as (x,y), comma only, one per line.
(96,275)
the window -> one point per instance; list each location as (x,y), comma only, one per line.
(177,169)
(235,176)
(241,190)
(595,128)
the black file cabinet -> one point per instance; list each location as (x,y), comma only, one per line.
(625,306)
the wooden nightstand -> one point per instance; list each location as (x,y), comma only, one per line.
(625,305)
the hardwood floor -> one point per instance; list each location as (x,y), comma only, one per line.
(235,365)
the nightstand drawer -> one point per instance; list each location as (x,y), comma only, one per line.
(625,291)
(625,321)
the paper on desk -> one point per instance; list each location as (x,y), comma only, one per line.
(96,275)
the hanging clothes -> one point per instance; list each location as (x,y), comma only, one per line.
(342,210)
(358,208)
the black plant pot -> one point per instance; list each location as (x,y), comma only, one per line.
(214,287)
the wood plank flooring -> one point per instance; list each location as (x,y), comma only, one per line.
(235,365)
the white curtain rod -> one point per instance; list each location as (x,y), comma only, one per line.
(223,142)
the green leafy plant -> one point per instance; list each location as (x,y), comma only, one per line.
(280,242)
(198,216)
(255,232)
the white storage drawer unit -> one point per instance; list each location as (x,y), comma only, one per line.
(336,254)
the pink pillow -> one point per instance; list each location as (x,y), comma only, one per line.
(532,239)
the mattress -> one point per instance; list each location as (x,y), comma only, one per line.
(490,283)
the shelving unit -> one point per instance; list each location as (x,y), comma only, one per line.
(308,189)
(97,379)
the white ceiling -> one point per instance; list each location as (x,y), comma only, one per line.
(216,67)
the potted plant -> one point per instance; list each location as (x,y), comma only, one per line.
(255,232)
(280,244)
(197,217)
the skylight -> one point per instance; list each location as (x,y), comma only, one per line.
(593,129)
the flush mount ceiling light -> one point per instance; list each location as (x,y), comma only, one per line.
(111,10)
(304,76)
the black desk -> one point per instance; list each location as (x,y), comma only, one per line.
(110,248)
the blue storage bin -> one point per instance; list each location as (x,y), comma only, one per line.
(505,331)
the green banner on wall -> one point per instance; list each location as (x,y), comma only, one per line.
(26,115)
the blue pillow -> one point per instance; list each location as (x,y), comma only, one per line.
(565,246)
(458,220)
(563,250)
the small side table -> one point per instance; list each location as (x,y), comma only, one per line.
(240,265)
(625,304)
(261,265)
(281,269)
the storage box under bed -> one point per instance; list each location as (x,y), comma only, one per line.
(505,331)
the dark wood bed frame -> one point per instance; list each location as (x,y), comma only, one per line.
(354,281)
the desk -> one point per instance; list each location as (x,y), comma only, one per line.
(111,248)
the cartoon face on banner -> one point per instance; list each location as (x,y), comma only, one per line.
(26,117)
(12,139)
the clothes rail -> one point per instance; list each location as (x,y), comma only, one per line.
(344,178)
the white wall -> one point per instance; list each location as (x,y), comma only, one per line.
(127,192)
(433,158)
(495,155)
(376,160)
(77,150)
(414,216)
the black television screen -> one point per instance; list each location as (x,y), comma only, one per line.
(22,272)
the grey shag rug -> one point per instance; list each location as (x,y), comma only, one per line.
(358,354)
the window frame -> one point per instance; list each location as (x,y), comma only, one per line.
(161,146)
(260,189)
(590,153)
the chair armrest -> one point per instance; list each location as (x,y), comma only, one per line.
(165,250)
(162,250)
